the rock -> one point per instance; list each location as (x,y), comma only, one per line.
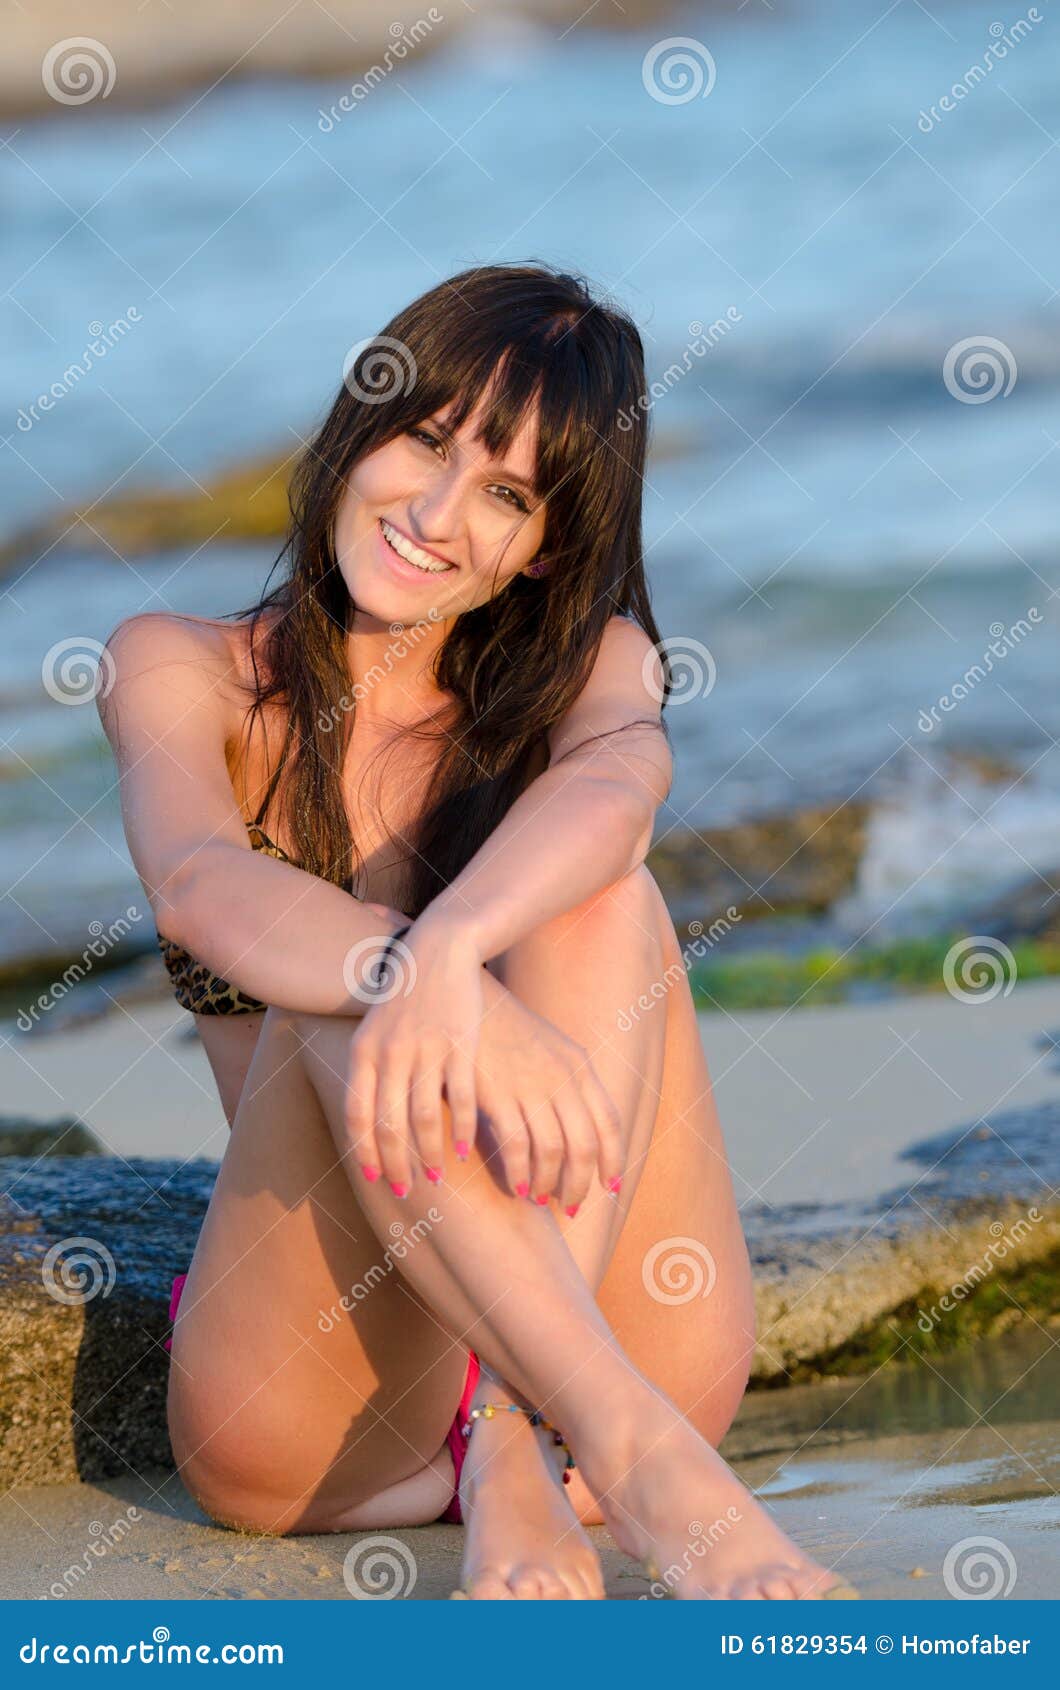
(22,1136)
(801,861)
(83,1382)
(1029,910)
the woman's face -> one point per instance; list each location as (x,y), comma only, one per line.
(465,523)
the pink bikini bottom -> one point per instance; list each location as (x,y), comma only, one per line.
(454,1437)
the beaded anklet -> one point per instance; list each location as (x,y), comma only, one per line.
(489,1409)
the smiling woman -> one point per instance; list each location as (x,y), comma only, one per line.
(432,965)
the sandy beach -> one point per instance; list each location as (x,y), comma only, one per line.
(880,1473)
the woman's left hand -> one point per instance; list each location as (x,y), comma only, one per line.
(420,1036)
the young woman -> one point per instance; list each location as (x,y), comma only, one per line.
(454,1158)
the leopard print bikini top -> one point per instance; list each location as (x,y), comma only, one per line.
(196,987)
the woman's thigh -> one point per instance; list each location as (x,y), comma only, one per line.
(306,1375)
(670,1267)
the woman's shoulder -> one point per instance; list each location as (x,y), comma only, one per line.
(210,657)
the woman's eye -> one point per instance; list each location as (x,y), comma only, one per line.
(422,434)
(511,497)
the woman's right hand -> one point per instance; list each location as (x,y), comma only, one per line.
(554,1123)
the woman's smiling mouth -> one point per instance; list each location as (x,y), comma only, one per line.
(424,563)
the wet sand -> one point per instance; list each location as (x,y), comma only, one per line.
(881,1478)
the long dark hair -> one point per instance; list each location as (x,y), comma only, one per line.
(524,334)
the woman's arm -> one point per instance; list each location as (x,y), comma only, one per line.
(587,820)
(169,706)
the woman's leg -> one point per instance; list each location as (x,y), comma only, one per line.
(493,1270)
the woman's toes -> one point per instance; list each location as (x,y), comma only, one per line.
(489,1586)
(809,1582)
(778,1586)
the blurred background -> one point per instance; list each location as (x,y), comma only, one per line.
(831,222)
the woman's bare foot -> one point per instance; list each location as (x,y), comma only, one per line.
(523,1542)
(678,1508)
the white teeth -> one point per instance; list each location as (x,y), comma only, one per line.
(412,554)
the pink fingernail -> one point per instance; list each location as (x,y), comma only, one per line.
(434,1175)
(614,1186)
(523,1188)
(571,1210)
(542,1199)
(398,1188)
(463,1149)
(371,1174)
